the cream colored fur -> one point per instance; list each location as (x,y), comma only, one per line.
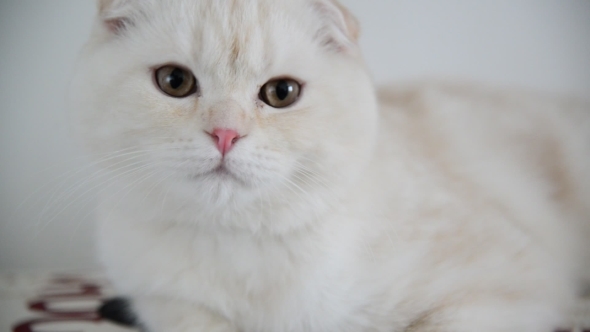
(445,209)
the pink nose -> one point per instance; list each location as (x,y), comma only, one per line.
(225,139)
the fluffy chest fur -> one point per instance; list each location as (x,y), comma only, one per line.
(262,283)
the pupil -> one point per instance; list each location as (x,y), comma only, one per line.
(283,89)
(176,78)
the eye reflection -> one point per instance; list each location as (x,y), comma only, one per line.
(280,93)
(176,81)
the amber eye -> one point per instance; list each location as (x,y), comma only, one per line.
(280,93)
(176,81)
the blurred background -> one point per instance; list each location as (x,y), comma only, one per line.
(46,203)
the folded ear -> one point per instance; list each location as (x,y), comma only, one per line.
(350,25)
(341,30)
(111,14)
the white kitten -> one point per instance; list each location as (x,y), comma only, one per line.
(256,187)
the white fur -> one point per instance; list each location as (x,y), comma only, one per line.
(448,210)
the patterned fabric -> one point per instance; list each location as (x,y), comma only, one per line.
(56,304)
(70,303)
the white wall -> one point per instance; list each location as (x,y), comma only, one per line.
(45,219)
(39,42)
(538,44)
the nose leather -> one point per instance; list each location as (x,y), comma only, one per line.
(225,139)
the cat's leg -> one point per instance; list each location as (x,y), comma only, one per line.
(160,315)
(491,316)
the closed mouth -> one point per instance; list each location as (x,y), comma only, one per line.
(221,170)
(219,173)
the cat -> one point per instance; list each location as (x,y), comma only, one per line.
(260,182)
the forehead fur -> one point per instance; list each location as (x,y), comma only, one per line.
(229,37)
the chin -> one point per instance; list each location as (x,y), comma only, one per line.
(218,188)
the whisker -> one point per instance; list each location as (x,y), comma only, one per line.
(93,188)
(164,179)
(68,174)
(110,185)
(68,192)
(130,186)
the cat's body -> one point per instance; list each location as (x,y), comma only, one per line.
(445,210)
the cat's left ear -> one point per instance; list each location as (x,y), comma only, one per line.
(340,30)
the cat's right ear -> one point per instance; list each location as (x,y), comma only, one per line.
(109,12)
(340,30)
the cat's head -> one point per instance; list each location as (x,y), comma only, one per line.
(237,105)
